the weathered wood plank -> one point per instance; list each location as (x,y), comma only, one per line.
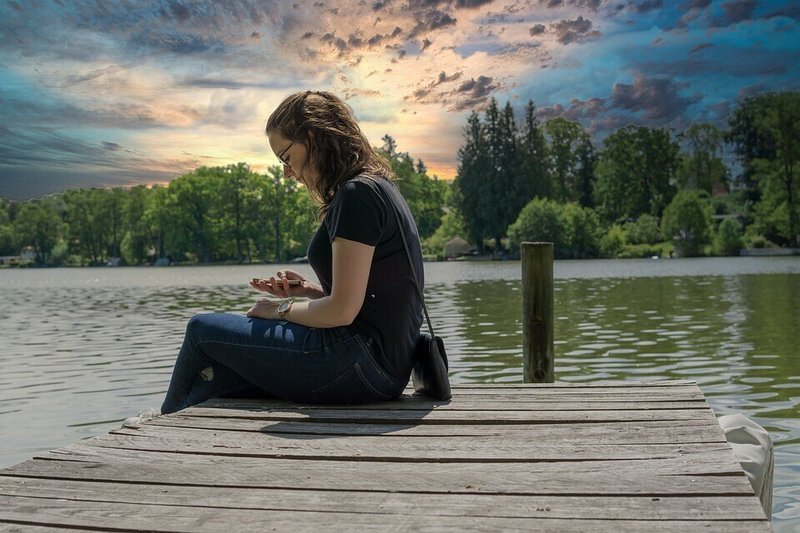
(445,449)
(555,457)
(25,527)
(652,432)
(490,505)
(473,403)
(110,516)
(437,416)
(602,384)
(673,476)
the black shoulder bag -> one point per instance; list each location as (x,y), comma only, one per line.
(429,374)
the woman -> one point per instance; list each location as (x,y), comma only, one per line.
(352,336)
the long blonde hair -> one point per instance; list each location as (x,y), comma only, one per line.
(336,145)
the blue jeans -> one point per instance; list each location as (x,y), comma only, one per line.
(226,355)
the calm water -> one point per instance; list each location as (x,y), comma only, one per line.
(81,349)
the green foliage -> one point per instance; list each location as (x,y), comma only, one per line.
(635,173)
(539,221)
(701,167)
(641,251)
(7,246)
(765,131)
(612,243)
(423,194)
(645,230)
(728,238)
(452,226)
(39,225)
(571,161)
(573,230)
(687,222)
(582,231)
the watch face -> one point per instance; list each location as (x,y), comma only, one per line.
(284,307)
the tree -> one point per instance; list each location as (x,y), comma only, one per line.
(779,176)
(137,242)
(190,202)
(750,141)
(88,216)
(39,225)
(582,230)
(571,161)
(540,220)
(687,221)
(424,195)
(7,246)
(536,178)
(636,173)
(728,239)
(233,183)
(471,177)
(491,181)
(701,167)
(645,230)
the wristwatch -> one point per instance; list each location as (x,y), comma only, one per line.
(284,308)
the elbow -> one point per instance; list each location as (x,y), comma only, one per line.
(345,318)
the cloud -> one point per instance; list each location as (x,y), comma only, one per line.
(570,31)
(111,146)
(34,163)
(696,4)
(657,99)
(735,11)
(700,47)
(471,4)
(473,93)
(431,20)
(537,29)
(647,5)
(578,110)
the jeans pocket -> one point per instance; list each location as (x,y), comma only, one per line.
(351,386)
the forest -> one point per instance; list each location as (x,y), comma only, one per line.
(641,192)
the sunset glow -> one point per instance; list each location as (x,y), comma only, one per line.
(111,95)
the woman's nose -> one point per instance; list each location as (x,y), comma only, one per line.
(287,171)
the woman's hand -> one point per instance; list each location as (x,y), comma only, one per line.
(264,308)
(278,285)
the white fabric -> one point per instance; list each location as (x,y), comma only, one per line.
(753,449)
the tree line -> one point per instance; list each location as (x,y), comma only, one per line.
(645,191)
(217,214)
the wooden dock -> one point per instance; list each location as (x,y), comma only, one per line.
(556,457)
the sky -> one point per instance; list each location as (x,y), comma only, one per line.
(129,92)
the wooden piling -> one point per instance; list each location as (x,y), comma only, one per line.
(537,312)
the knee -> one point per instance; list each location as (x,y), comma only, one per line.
(199,325)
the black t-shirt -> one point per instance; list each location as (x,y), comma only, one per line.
(392,311)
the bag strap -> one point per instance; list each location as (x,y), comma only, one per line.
(408,256)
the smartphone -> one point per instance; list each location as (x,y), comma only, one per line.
(291,282)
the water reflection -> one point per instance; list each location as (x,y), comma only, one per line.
(82,349)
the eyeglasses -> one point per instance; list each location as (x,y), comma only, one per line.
(280,155)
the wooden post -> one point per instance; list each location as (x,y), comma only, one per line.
(537,312)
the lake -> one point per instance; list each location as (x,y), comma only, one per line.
(82,349)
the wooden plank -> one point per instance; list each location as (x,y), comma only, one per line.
(595,384)
(438,416)
(460,391)
(152,517)
(555,457)
(489,505)
(25,527)
(654,432)
(487,449)
(659,477)
(472,403)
